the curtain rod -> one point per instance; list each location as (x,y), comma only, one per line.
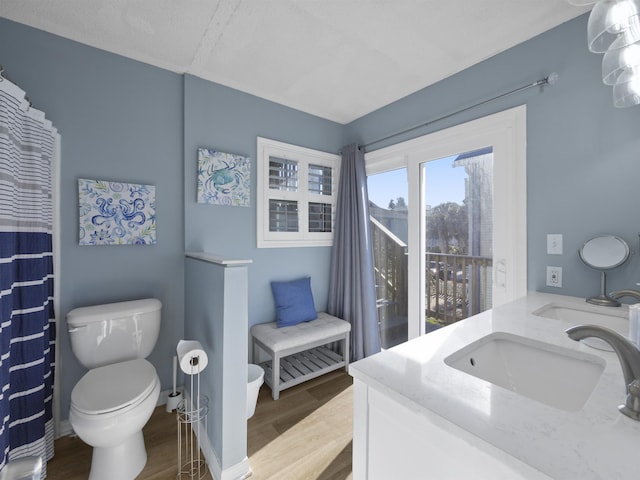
(548,80)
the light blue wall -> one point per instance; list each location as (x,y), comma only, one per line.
(583,155)
(216,314)
(119,120)
(229,121)
(124,120)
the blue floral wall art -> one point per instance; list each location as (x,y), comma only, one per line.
(223,178)
(116,213)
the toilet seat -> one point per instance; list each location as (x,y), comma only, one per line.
(114,387)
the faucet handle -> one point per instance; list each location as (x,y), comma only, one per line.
(632,406)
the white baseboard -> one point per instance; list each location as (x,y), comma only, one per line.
(239,471)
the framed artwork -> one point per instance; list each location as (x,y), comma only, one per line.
(116,213)
(223,178)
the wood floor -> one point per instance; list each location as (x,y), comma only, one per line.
(305,435)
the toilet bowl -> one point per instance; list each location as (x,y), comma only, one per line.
(113,401)
(109,407)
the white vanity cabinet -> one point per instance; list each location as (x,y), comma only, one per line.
(417,417)
(392,440)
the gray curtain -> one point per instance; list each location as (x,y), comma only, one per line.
(352,293)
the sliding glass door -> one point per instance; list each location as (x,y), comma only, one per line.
(465,249)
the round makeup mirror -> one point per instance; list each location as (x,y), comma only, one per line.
(604,252)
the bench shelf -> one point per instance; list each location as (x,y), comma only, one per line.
(303,366)
(299,353)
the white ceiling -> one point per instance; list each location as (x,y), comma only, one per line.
(337,59)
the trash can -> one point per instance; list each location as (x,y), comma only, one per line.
(255,379)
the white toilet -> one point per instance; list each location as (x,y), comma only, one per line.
(116,397)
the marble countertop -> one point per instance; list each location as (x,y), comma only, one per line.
(596,442)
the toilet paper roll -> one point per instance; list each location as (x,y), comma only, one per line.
(191,356)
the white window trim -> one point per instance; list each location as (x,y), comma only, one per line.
(267,148)
(56,231)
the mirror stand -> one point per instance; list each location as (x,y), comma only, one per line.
(604,252)
(603,299)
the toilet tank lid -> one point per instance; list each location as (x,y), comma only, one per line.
(98,313)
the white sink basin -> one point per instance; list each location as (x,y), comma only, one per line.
(552,375)
(615,318)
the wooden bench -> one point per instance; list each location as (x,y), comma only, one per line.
(300,353)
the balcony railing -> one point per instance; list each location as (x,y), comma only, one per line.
(390,265)
(456,286)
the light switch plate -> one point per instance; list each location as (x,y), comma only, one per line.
(554,244)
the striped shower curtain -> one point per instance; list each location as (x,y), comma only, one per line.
(27,324)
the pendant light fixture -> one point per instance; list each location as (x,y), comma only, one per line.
(614,29)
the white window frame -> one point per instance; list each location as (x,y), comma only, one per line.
(304,156)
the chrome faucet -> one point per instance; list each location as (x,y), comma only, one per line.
(629,357)
(628,292)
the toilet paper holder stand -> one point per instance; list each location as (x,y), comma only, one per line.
(192,417)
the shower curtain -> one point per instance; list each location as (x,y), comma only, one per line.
(27,324)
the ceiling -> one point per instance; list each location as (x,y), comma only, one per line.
(337,59)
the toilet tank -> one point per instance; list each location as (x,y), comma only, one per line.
(115,332)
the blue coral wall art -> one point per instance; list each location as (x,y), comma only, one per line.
(116,213)
(223,178)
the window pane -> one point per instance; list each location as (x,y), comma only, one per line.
(283,174)
(320,180)
(319,217)
(389,215)
(458,199)
(283,216)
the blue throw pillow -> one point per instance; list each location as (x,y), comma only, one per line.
(294,302)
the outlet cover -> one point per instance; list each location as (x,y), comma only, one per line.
(554,277)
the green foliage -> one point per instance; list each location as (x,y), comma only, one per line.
(449,223)
(398,204)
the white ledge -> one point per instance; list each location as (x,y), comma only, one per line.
(218,259)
